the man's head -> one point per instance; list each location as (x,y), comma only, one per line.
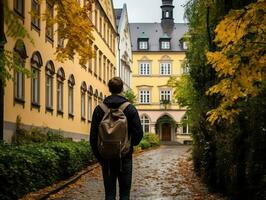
(115,85)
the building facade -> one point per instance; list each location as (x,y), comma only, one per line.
(60,96)
(158,54)
(124,51)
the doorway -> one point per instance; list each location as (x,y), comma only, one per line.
(166,132)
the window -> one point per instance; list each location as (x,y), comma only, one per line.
(144,96)
(143,45)
(167,14)
(35,19)
(100,98)
(49,73)
(95,60)
(19,7)
(185,126)
(83,90)
(20,56)
(165,95)
(36,64)
(104,69)
(108,71)
(185,45)
(60,89)
(165,44)
(101,23)
(71,83)
(90,93)
(50,28)
(60,39)
(144,69)
(96,19)
(145,122)
(95,98)
(165,68)
(100,65)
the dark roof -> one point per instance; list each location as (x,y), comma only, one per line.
(154,32)
(118,13)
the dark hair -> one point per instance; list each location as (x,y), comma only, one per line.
(115,85)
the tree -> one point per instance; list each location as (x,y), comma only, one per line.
(240,61)
(130,95)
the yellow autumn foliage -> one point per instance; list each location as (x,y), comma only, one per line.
(240,61)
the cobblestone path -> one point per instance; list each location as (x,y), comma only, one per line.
(160,174)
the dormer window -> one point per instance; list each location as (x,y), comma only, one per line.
(165,44)
(183,44)
(143,44)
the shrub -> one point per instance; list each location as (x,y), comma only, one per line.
(152,138)
(144,144)
(27,168)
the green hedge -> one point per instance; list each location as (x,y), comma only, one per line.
(27,168)
(149,140)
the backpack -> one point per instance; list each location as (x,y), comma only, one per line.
(113,139)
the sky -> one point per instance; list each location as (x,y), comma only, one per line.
(149,10)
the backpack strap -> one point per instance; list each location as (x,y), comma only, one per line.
(104,107)
(124,105)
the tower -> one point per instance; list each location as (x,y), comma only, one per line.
(167,20)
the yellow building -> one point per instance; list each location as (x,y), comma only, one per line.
(158,54)
(61,96)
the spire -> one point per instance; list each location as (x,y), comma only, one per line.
(167,20)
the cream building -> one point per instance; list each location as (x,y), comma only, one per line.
(124,51)
(61,96)
(158,54)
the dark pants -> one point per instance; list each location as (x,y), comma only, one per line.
(113,170)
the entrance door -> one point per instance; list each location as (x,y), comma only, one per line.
(166,132)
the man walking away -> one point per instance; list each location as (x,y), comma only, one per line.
(111,121)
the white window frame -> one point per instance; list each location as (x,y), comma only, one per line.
(144,68)
(60,96)
(70,99)
(165,93)
(145,121)
(144,96)
(143,45)
(165,68)
(89,107)
(165,45)
(83,104)
(35,86)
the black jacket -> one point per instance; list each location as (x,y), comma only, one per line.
(134,125)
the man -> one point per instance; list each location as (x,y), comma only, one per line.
(114,169)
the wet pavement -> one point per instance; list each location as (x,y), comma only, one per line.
(156,176)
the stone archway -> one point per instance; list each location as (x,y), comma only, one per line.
(165,128)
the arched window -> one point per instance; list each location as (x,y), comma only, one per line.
(100,97)
(95,98)
(83,90)
(36,63)
(49,75)
(60,89)
(145,122)
(71,83)
(90,93)
(20,56)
